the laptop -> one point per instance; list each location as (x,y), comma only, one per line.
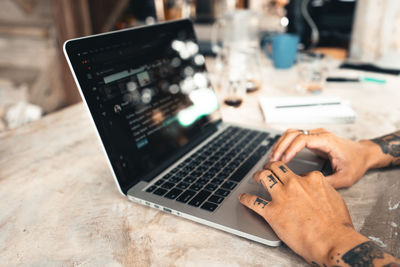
(157,118)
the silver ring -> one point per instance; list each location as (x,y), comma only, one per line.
(305,132)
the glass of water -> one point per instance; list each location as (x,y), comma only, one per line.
(311,76)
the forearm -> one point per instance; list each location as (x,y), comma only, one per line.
(353,249)
(382,151)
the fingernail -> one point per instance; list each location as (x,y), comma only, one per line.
(240,196)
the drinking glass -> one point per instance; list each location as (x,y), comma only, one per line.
(311,76)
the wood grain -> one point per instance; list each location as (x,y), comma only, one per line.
(60,206)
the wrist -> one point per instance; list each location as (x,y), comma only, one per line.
(338,244)
(373,156)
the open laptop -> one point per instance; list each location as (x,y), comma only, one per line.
(157,118)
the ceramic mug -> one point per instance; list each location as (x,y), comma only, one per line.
(284,49)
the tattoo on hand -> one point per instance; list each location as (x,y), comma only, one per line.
(390,144)
(283,168)
(260,201)
(273,180)
(363,254)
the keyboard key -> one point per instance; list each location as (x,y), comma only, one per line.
(151,188)
(216,199)
(217,181)
(159,182)
(181,174)
(196,186)
(208,175)
(210,187)
(174,170)
(201,169)
(185,196)
(189,168)
(197,173)
(239,174)
(222,192)
(168,175)
(202,180)
(160,191)
(181,165)
(167,185)
(229,185)
(224,174)
(199,198)
(183,185)
(173,193)
(174,179)
(190,179)
(209,206)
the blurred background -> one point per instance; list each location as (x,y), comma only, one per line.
(35,79)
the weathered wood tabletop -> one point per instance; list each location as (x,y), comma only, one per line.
(60,207)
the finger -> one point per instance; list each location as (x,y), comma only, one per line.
(282,137)
(282,143)
(269,181)
(255,203)
(315,141)
(281,171)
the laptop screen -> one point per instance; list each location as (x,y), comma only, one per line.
(148,92)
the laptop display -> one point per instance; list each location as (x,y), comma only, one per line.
(149,94)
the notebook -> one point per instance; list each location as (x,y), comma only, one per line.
(306,110)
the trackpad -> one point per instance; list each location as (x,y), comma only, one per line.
(305,162)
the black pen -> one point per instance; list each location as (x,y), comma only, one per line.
(341,79)
(360,79)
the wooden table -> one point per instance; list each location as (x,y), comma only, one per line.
(60,207)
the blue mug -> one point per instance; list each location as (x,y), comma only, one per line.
(284,48)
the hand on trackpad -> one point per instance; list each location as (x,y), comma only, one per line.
(305,162)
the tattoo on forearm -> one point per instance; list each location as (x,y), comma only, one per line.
(363,254)
(392,264)
(283,168)
(273,180)
(390,144)
(260,201)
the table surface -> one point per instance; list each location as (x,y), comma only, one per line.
(60,206)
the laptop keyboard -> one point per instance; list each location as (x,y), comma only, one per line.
(208,176)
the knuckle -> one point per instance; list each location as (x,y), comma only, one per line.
(291,185)
(275,164)
(257,175)
(316,174)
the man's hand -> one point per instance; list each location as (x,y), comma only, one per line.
(349,159)
(310,216)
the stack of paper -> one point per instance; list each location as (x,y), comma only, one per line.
(306,110)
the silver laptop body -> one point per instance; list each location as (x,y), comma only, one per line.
(152,104)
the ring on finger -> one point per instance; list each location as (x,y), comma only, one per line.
(305,132)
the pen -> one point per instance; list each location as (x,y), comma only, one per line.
(309,105)
(361,79)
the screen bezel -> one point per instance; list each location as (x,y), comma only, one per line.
(74,45)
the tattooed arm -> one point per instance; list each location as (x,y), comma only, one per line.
(349,159)
(390,150)
(364,254)
(312,219)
